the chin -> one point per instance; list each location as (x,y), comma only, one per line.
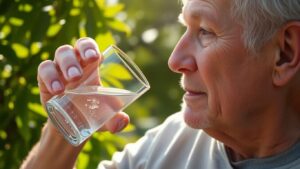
(195,119)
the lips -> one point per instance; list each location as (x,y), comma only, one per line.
(189,92)
(193,94)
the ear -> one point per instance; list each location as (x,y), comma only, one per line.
(287,60)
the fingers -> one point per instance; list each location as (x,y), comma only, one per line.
(88,50)
(49,79)
(69,65)
(66,59)
(117,123)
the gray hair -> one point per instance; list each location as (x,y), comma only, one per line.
(261,19)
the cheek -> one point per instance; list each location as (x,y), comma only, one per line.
(225,87)
(212,75)
(237,101)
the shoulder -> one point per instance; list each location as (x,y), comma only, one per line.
(175,131)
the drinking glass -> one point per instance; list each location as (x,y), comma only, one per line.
(107,87)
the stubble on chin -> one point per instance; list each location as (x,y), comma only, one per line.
(194,119)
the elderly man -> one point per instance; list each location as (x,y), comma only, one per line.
(240,66)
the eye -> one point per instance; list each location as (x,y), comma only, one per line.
(204,32)
(206,37)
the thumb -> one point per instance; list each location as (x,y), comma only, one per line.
(117,123)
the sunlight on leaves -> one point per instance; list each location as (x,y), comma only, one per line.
(112,74)
(37,108)
(76,3)
(88,146)
(82,30)
(5,31)
(83,160)
(23,128)
(6,73)
(120,26)
(53,30)
(19,122)
(44,55)
(35,90)
(104,40)
(75,12)
(47,8)
(108,81)
(83,157)
(35,47)
(111,148)
(100,3)
(2,18)
(22,81)
(129,128)
(112,10)
(16,21)
(116,71)
(3,134)
(21,51)
(25,7)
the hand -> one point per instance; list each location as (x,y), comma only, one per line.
(70,65)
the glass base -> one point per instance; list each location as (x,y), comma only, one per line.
(62,121)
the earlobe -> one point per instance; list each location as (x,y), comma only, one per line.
(287,60)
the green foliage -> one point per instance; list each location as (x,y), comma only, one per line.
(30,31)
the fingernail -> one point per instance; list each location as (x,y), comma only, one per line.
(90,53)
(121,125)
(56,86)
(73,72)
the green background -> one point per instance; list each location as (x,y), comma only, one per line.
(31,30)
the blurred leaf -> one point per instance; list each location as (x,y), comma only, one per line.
(100,3)
(129,128)
(5,31)
(75,12)
(54,29)
(113,10)
(120,26)
(37,108)
(16,21)
(35,90)
(23,127)
(3,134)
(25,7)
(116,71)
(104,40)
(35,47)
(113,74)
(21,50)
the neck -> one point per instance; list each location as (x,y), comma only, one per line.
(267,138)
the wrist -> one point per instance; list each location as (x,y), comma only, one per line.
(54,147)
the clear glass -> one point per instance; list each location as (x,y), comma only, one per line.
(107,87)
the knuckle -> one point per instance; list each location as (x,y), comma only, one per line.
(68,59)
(43,65)
(87,42)
(65,55)
(62,49)
(87,39)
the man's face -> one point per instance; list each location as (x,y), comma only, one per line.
(224,84)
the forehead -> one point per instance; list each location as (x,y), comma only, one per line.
(219,5)
(213,10)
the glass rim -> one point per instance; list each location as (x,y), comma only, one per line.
(142,78)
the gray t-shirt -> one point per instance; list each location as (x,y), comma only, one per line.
(174,145)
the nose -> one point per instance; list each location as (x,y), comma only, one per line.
(182,59)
